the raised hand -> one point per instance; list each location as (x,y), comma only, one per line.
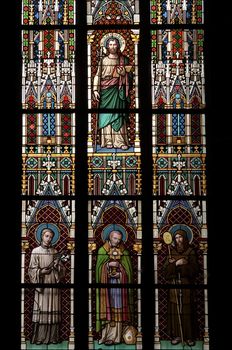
(121,70)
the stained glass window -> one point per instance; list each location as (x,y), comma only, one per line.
(113,186)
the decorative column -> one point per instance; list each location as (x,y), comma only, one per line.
(168,74)
(39,74)
(187,67)
(23,340)
(24,176)
(24,80)
(56,10)
(203,132)
(204,247)
(188,132)
(24,246)
(135,39)
(138,248)
(159,44)
(31,43)
(39,132)
(168,11)
(71,248)
(73,80)
(71,343)
(157,245)
(58,66)
(65,44)
(169,131)
(65,17)
(24,133)
(91,247)
(136,11)
(90,40)
(40,9)
(184,7)
(202,80)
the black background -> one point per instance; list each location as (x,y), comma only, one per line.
(218,128)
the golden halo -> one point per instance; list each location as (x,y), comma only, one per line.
(122,41)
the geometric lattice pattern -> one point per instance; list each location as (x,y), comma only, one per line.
(196,129)
(108,12)
(200,310)
(65,313)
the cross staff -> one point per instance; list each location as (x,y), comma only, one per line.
(101,56)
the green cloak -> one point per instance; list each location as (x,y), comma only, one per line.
(103,258)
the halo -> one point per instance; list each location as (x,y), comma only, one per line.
(182,227)
(122,41)
(53,227)
(113,227)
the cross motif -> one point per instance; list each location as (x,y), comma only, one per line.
(49,164)
(179,165)
(48,61)
(114,164)
(177,61)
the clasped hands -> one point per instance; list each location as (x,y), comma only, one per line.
(179,262)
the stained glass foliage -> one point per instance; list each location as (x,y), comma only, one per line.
(178,78)
(47,240)
(48,154)
(180,239)
(48,69)
(115,247)
(179,154)
(107,12)
(177,12)
(48,12)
